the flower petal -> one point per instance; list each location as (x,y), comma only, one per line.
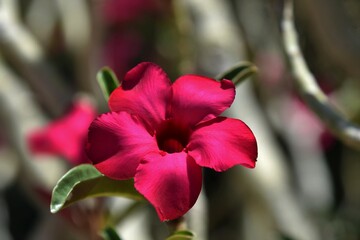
(197,98)
(65,136)
(171,182)
(145,91)
(116,144)
(222,143)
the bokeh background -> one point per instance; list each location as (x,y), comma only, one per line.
(307,182)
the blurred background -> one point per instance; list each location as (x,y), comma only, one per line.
(306,184)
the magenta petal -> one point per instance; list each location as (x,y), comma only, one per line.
(171,183)
(116,144)
(197,98)
(222,143)
(145,91)
(65,136)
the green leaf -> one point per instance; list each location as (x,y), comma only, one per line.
(182,235)
(107,80)
(238,72)
(110,234)
(86,181)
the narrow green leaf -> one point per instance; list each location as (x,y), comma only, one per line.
(238,72)
(182,235)
(86,181)
(110,234)
(107,80)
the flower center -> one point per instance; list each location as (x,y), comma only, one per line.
(172,137)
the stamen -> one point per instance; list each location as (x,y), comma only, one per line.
(172,137)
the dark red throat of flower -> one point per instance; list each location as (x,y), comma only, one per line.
(172,137)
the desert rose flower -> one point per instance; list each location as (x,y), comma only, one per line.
(66,136)
(162,134)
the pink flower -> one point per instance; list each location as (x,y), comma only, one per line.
(161,134)
(121,49)
(123,11)
(66,136)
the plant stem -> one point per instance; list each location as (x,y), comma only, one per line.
(177,225)
(346,131)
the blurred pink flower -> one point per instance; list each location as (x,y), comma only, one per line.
(305,124)
(126,35)
(161,134)
(66,136)
(122,11)
(120,50)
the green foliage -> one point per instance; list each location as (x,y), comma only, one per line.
(110,234)
(86,181)
(107,80)
(238,72)
(182,235)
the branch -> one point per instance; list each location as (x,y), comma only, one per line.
(220,43)
(334,25)
(346,131)
(19,114)
(19,47)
